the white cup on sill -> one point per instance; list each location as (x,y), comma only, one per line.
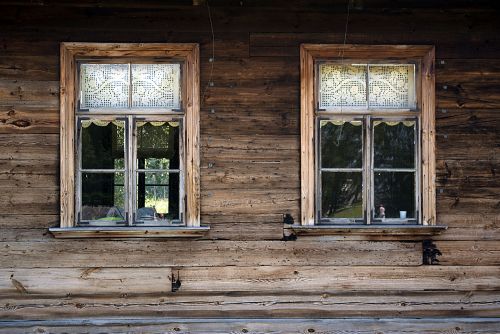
(402,214)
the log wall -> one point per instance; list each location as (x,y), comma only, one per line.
(250,159)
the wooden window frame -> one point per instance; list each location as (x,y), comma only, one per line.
(424,55)
(187,53)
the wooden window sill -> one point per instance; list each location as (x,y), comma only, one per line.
(400,232)
(130,232)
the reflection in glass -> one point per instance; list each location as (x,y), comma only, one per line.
(341,144)
(341,195)
(103,197)
(157,196)
(395,192)
(102,144)
(394,144)
(157,145)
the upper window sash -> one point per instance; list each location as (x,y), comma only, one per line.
(135,86)
(366,86)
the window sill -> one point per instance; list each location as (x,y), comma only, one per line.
(132,232)
(400,232)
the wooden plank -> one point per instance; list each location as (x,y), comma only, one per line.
(262,230)
(471,253)
(30,200)
(415,304)
(253,326)
(29,119)
(29,147)
(86,253)
(35,67)
(468,174)
(428,155)
(479,146)
(28,221)
(28,42)
(32,180)
(245,119)
(338,279)
(286,44)
(192,138)
(81,281)
(27,92)
(245,201)
(263,279)
(307,156)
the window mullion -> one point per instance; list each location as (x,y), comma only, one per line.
(130,170)
(368,170)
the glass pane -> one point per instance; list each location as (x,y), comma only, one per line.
(157,196)
(392,86)
(157,145)
(103,197)
(341,195)
(104,86)
(341,144)
(156,85)
(394,194)
(394,144)
(102,144)
(342,86)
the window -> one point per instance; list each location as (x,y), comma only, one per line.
(367,135)
(129,140)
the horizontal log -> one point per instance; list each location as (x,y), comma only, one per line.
(83,281)
(23,167)
(245,201)
(29,181)
(32,41)
(308,305)
(35,67)
(266,325)
(286,44)
(29,147)
(29,119)
(30,200)
(467,174)
(262,230)
(404,22)
(466,121)
(44,252)
(472,253)
(289,280)
(27,221)
(38,93)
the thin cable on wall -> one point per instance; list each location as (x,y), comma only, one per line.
(342,55)
(212,60)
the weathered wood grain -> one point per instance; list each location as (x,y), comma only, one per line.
(250,165)
(259,280)
(93,280)
(29,119)
(254,326)
(324,305)
(83,253)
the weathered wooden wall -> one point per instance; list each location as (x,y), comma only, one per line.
(250,169)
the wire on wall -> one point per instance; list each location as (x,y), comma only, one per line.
(212,59)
